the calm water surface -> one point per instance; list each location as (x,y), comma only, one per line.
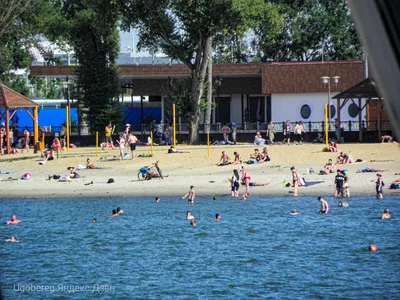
(257,250)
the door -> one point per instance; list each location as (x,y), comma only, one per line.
(223,109)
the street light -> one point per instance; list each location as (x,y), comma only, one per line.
(326,80)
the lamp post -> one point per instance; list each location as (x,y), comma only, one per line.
(326,81)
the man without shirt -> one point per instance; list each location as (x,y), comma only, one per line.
(132,140)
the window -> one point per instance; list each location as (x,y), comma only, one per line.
(333,111)
(353,110)
(305,111)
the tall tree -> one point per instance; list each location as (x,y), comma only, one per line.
(183,29)
(91,29)
(307,30)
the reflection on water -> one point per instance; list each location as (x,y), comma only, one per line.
(257,249)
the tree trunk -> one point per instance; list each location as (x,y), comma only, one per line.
(209,91)
(198,75)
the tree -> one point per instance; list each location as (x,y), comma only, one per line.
(306,30)
(183,29)
(90,28)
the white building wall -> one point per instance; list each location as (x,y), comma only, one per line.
(236,108)
(287,107)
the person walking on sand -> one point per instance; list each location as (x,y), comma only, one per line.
(132,140)
(379,187)
(225,131)
(26,136)
(246,179)
(324,206)
(271,132)
(191,194)
(286,132)
(296,179)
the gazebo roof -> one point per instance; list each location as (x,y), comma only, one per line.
(11,99)
(364,89)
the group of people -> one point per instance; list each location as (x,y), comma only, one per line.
(127,138)
(18,144)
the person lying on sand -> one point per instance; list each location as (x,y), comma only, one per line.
(368,170)
(90,164)
(172,149)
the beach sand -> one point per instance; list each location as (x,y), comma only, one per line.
(195,168)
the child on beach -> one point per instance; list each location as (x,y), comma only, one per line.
(191,195)
(121,146)
(235,184)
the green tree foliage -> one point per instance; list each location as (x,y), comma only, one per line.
(183,29)
(303,30)
(91,29)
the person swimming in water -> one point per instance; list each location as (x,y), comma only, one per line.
(13,220)
(385,214)
(157,199)
(193,222)
(294,212)
(114,214)
(342,204)
(217,217)
(119,211)
(13,239)
(189,215)
(324,206)
(94,220)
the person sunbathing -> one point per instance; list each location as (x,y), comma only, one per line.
(344,159)
(330,166)
(264,156)
(224,160)
(258,140)
(73,173)
(333,147)
(172,149)
(370,170)
(48,154)
(90,164)
(238,158)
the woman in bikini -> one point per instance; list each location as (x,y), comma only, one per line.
(296,177)
(246,179)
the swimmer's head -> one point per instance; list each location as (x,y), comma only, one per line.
(157,199)
(217,217)
(293,211)
(94,220)
(340,203)
(118,209)
(386,211)
(13,217)
(320,198)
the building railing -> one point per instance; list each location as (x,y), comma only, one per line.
(183,128)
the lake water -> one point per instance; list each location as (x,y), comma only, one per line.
(257,250)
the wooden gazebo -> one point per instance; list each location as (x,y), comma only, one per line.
(366,89)
(10,101)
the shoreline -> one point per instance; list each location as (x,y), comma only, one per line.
(195,168)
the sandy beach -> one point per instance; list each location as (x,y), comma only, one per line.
(195,168)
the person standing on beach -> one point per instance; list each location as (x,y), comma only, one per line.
(339,182)
(324,206)
(2,134)
(235,184)
(121,146)
(108,133)
(191,194)
(225,131)
(271,132)
(379,187)
(286,132)
(132,140)
(296,179)
(63,133)
(126,132)
(160,132)
(26,136)
(246,179)
(234,133)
